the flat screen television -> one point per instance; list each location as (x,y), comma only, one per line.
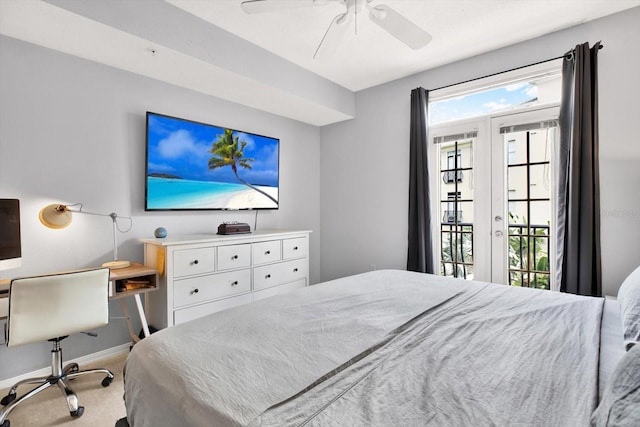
(10,245)
(198,166)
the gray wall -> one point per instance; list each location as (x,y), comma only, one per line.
(74,131)
(365,161)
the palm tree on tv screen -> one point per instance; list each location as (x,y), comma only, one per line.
(227,153)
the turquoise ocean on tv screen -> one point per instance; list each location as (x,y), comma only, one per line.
(164,193)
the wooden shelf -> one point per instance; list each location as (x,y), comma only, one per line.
(135,272)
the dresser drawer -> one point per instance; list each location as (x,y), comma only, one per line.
(265,252)
(276,274)
(295,248)
(206,288)
(191,313)
(187,262)
(234,256)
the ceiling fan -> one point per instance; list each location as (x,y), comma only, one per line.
(384,16)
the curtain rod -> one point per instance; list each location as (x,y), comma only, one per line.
(512,69)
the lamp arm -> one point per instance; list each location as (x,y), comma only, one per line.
(114,217)
(58,216)
(115,241)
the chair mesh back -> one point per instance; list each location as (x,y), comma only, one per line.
(52,306)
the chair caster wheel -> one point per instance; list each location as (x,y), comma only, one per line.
(6,423)
(6,400)
(78,413)
(106,381)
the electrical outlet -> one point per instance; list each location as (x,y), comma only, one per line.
(372,267)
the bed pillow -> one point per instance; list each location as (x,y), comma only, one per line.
(629,300)
(620,404)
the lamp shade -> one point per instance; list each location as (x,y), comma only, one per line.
(55,216)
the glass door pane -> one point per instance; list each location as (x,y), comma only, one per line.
(456,206)
(524,244)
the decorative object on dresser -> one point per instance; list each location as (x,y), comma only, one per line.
(234,227)
(202,274)
(58,216)
(160,232)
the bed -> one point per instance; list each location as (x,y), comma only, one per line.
(386,348)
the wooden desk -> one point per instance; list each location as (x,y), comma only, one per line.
(143,279)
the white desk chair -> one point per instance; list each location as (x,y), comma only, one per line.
(50,308)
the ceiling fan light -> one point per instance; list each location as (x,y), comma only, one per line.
(378,14)
(399,26)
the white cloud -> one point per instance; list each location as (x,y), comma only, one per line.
(180,143)
(246,138)
(156,167)
(532,92)
(515,86)
(497,106)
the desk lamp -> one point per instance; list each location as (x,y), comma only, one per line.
(58,216)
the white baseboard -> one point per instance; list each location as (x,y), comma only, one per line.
(89,358)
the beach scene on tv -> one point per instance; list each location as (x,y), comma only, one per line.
(192,165)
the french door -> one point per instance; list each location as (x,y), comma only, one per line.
(494,195)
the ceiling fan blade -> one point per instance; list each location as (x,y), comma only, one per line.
(399,26)
(262,6)
(335,32)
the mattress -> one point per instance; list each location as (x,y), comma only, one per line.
(381,348)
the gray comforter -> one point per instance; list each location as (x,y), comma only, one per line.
(379,349)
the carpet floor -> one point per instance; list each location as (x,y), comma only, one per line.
(103,406)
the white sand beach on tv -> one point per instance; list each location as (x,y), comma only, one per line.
(250,197)
(241,199)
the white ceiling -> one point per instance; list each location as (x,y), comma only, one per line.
(460,29)
(267,60)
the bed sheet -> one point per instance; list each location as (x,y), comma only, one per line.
(373,349)
(611,342)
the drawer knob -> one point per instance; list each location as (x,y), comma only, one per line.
(234,257)
(235,283)
(195,262)
(268,276)
(195,291)
(295,270)
(295,248)
(267,253)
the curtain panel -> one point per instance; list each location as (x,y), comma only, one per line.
(420,252)
(578,268)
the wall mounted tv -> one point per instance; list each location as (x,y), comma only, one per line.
(198,166)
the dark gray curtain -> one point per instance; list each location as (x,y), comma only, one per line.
(420,253)
(578,263)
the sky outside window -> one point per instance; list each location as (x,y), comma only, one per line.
(482,103)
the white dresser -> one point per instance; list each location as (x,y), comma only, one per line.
(202,274)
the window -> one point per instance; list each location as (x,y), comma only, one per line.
(452,214)
(452,173)
(491,149)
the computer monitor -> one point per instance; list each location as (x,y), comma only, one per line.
(10,244)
